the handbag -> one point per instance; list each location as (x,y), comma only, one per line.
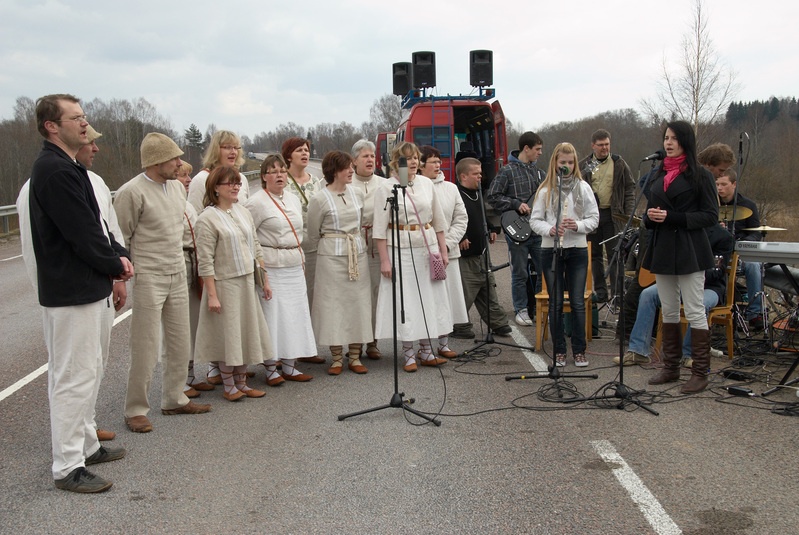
(196,280)
(438,272)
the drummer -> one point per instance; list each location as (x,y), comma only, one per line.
(718,159)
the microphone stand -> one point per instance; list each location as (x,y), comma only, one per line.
(620,391)
(555,304)
(397,400)
(487,270)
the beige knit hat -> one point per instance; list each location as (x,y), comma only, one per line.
(92,134)
(157,148)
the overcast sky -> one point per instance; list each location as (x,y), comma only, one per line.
(250,65)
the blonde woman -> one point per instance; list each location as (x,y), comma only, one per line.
(427,310)
(579,215)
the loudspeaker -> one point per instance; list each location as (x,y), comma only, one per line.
(481,68)
(403,79)
(424,69)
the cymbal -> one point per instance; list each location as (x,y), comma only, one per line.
(741,212)
(623,220)
(765,228)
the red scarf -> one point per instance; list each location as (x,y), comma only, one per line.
(673,167)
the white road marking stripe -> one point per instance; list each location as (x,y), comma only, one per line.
(657,517)
(535,359)
(11,258)
(43,368)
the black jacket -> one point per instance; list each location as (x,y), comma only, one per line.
(679,245)
(75,260)
(722,243)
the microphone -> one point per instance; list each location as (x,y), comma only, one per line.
(563,171)
(657,155)
(403,172)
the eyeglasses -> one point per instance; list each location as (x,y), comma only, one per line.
(277,172)
(77,119)
(229,147)
(231,184)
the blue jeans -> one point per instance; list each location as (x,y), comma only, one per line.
(648,304)
(571,278)
(754,285)
(519,273)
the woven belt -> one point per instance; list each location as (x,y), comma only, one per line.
(410,227)
(352,252)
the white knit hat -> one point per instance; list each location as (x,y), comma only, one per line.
(157,148)
(92,134)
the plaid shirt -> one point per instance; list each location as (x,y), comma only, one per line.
(515,184)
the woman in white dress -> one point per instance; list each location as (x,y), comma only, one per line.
(296,152)
(427,311)
(365,179)
(224,150)
(342,307)
(456,221)
(231,323)
(278,222)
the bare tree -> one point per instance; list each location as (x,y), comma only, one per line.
(384,116)
(700,87)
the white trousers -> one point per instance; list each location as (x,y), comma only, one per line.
(692,289)
(77,339)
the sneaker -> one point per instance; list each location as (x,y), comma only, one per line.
(580,361)
(716,353)
(560,360)
(505,330)
(631,357)
(523,318)
(105,454)
(81,480)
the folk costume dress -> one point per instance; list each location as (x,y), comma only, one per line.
(342,306)
(429,300)
(279,227)
(226,250)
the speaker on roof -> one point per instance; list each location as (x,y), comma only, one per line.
(481,68)
(424,69)
(402,76)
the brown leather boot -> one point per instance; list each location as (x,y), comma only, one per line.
(672,354)
(700,351)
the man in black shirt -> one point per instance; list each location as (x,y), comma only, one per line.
(472,262)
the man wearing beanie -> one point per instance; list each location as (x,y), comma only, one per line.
(150,211)
(76,261)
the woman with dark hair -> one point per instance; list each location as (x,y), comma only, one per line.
(296,152)
(421,225)
(456,220)
(681,201)
(278,222)
(342,308)
(231,323)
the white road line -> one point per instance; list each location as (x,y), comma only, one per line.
(535,359)
(11,258)
(657,517)
(43,368)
